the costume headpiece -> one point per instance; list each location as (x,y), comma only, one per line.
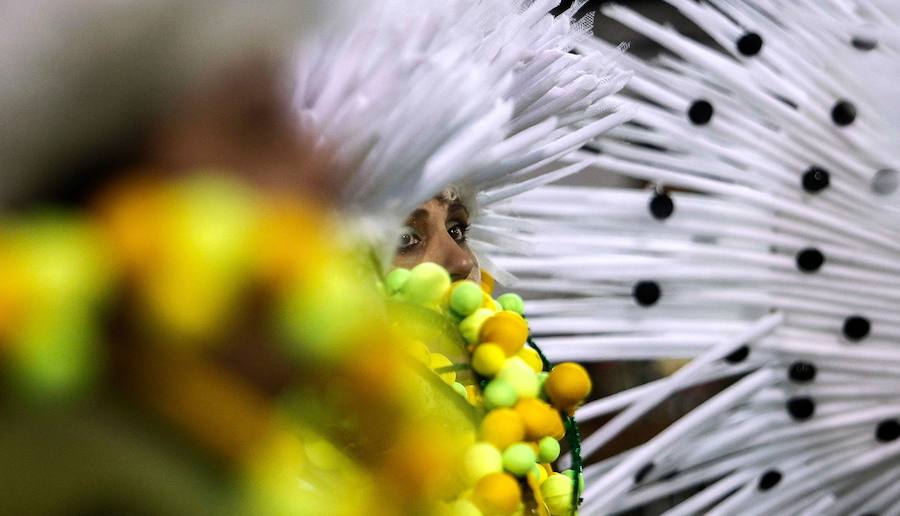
(487,96)
(765,251)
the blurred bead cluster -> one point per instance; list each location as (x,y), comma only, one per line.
(236,324)
(508,470)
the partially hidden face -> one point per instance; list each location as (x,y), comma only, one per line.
(436,232)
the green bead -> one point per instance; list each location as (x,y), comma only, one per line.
(427,284)
(518,459)
(548,450)
(499,393)
(512,302)
(56,356)
(521,376)
(65,258)
(396,280)
(465,298)
(311,317)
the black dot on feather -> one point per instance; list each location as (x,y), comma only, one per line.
(856,328)
(661,206)
(750,44)
(769,479)
(701,112)
(810,260)
(646,293)
(816,179)
(843,113)
(887,430)
(802,372)
(801,408)
(739,355)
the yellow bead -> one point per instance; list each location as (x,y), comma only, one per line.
(481,459)
(464,508)
(538,473)
(497,494)
(557,493)
(473,395)
(567,386)
(488,359)
(427,284)
(323,454)
(532,358)
(539,419)
(502,427)
(487,282)
(439,361)
(506,329)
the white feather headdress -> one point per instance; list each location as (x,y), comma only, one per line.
(486,96)
(766,252)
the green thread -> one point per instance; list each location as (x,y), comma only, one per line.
(547,364)
(573,437)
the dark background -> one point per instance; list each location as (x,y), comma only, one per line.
(658,10)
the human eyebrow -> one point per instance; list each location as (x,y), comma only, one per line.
(417,217)
(457,207)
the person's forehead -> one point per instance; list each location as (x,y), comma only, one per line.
(438,207)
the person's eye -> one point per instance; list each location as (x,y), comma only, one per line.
(408,240)
(458,232)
